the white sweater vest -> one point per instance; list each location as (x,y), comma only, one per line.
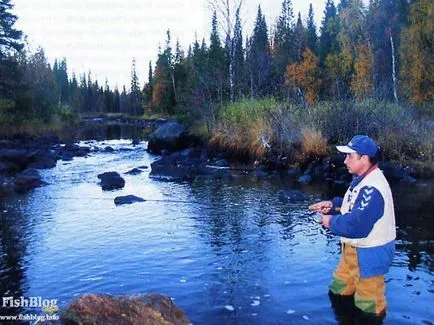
(384,230)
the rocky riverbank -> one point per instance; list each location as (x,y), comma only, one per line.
(183,159)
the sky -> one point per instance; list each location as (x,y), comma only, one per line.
(103,36)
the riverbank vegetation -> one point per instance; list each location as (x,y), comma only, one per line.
(300,134)
(288,88)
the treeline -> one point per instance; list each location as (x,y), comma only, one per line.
(382,52)
(40,91)
(34,91)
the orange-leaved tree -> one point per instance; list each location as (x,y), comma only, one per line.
(417,58)
(305,76)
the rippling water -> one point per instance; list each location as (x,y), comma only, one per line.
(230,253)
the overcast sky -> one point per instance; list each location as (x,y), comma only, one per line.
(104,35)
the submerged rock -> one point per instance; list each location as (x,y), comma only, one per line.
(292,196)
(134,171)
(152,309)
(128,199)
(111,181)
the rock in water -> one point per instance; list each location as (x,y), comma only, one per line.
(153,309)
(111,181)
(170,136)
(134,171)
(119,200)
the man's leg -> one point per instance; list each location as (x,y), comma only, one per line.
(347,274)
(370,295)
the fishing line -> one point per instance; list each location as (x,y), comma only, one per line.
(112,199)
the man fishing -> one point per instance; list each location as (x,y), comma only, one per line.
(366,224)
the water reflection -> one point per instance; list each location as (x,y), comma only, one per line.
(106,131)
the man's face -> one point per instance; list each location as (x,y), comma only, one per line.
(355,163)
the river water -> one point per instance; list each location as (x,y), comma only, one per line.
(227,251)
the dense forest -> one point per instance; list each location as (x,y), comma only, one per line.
(283,80)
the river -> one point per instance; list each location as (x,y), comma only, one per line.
(227,251)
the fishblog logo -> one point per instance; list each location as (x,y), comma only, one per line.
(30,302)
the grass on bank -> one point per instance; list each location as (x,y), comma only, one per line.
(257,128)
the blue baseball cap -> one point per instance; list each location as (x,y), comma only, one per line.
(362,144)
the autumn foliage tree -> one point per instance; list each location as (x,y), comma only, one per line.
(305,76)
(417,48)
(361,83)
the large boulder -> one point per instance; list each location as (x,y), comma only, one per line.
(111,181)
(27,180)
(151,309)
(170,136)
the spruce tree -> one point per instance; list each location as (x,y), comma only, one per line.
(312,37)
(10,38)
(260,58)
(135,96)
(10,44)
(238,55)
(283,46)
(300,39)
(217,63)
(329,30)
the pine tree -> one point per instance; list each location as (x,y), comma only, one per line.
(163,94)
(238,58)
(300,39)
(135,95)
(10,44)
(342,5)
(10,38)
(217,62)
(124,102)
(108,98)
(149,87)
(283,45)
(116,101)
(328,43)
(260,58)
(42,87)
(312,37)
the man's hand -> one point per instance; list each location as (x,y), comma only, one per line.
(323,207)
(326,221)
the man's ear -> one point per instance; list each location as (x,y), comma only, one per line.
(366,159)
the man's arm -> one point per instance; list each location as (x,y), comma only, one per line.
(327,207)
(358,223)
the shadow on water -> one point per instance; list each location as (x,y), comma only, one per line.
(16,233)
